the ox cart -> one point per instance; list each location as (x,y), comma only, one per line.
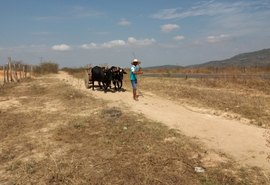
(88,77)
(104,76)
(100,74)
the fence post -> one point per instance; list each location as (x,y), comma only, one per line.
(20,71)
(26,70)
(4,69)
(15,72)
(7,73)
(23,70)
(10,69)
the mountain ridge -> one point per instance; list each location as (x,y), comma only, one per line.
(260,58)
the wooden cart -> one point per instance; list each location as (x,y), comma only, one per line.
(88,77)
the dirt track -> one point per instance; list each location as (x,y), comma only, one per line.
(245,143)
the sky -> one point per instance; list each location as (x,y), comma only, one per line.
(74,33)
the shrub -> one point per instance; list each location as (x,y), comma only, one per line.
(46,67)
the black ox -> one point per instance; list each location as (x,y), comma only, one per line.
(101,75)
(117,77)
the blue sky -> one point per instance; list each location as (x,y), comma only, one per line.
(74,33)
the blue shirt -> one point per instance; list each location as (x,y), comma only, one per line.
(132,75)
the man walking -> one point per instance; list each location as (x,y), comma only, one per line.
(134,71)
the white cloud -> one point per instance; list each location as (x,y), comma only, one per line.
(113,43)
(61,47)
(179,37)
(169,27)
(131,41)
(218,38)
(210,8)
(141,42)
(89,46)
(124,22)
(243,24)
(110,44)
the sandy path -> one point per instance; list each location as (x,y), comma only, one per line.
(245,143)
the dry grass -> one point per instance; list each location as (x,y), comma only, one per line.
(76,72)
(247,98)
(55,134)
(212,70)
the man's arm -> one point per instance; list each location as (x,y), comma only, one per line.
(138,72)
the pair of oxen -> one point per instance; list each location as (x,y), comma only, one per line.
(106,76)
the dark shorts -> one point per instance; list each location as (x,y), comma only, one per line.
(134,84)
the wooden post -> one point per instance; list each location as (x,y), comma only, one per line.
(4,69)
(25,71)
(7,73)
(11,72)
(10,69)
(15,72)
(20,71)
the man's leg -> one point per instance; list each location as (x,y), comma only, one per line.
(135,94)
(134,87)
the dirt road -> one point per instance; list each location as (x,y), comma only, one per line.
(245,143)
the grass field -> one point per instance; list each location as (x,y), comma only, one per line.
(244,98)
(52,133)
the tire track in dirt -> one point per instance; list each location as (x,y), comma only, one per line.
(245,143)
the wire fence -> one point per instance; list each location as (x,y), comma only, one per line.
(212,76)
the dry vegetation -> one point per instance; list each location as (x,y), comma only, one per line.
(46,68)
(233,70)
(54,134)
(247,97)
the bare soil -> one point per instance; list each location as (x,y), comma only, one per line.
(54,131)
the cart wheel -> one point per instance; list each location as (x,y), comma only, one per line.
(87,81)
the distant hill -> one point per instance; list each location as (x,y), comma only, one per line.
(259,58)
